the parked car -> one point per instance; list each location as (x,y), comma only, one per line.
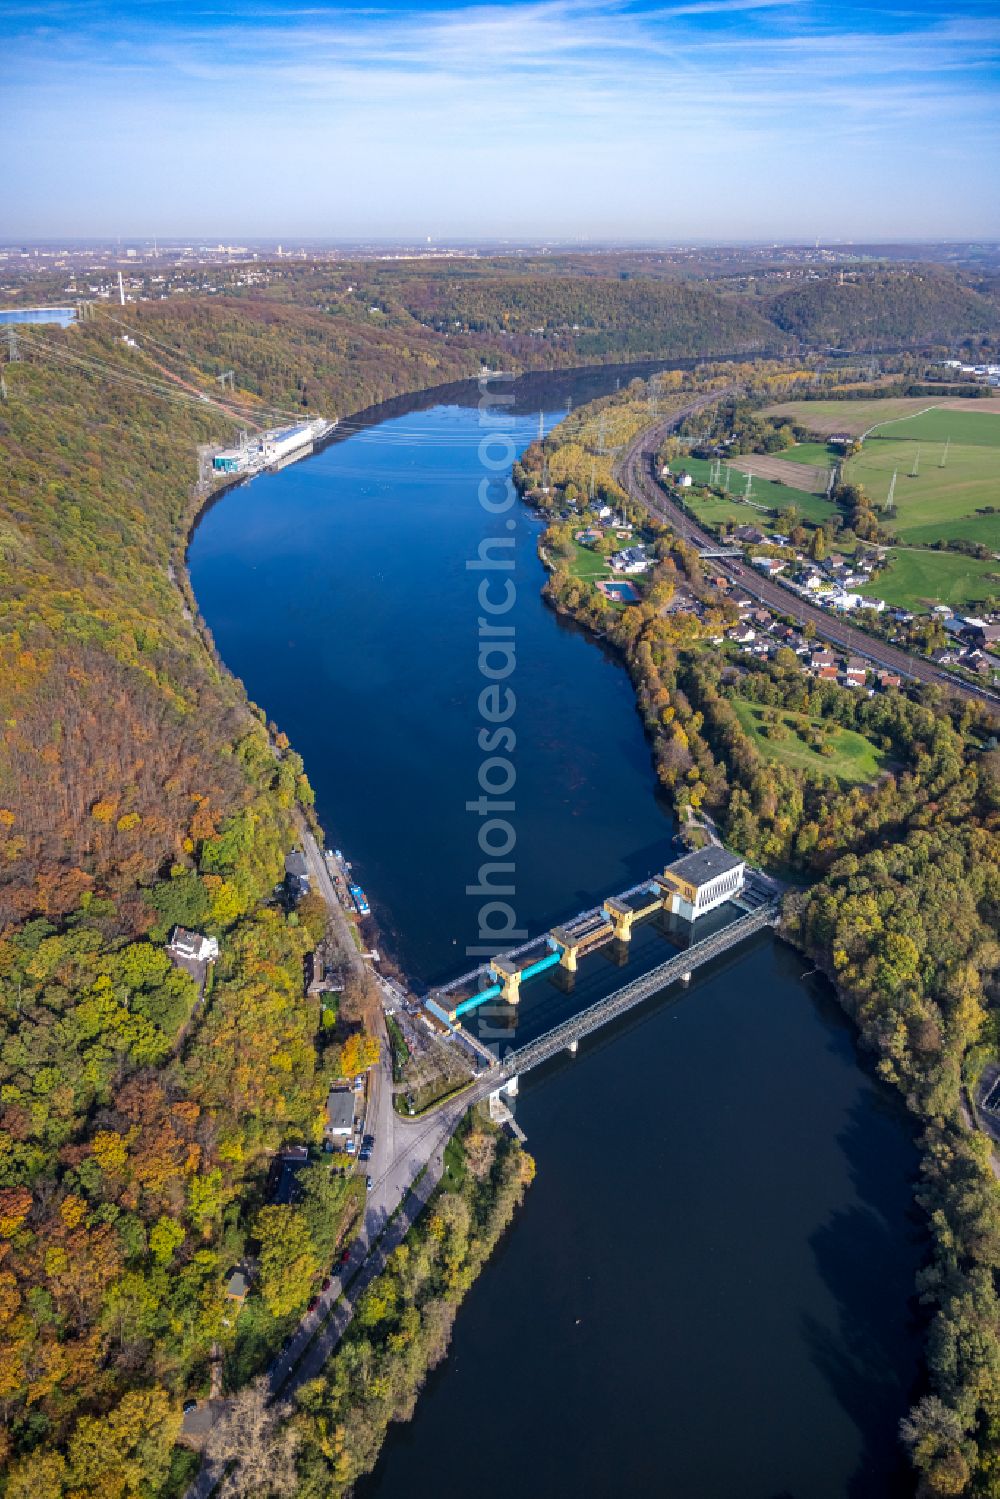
(189,1406)
(351,1146)
(368,1183)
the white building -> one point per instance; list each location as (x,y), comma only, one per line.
(192,946)
(845,602)
(703,880)
(631,560)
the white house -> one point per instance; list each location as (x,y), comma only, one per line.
(193,946)
(631,560)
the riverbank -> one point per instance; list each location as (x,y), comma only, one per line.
(896,968)
(403,1322)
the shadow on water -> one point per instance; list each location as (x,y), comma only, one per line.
(863,1262)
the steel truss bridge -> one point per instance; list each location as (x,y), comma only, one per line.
(569,1033)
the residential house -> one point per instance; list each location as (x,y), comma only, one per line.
(981,633)
(296,875)
(631,560)
(339,1124)
(237,1287)
(192,947)
(283,1185)
(978,662)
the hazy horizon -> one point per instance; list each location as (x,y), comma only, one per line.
(594,123)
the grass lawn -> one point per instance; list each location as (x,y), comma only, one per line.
(714,510)
(815,454)
(455,1170)
(917,578)
(711,510)
(777,496)
(983,528)
(855,758)
(588,565)
(971,428)
(938,501)
(824,417)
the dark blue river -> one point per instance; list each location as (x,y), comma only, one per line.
(708,1293)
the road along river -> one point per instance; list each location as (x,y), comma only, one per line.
(708,1291)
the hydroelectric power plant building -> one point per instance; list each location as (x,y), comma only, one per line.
(271,449)
(701,881)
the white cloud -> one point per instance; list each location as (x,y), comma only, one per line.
(587,108)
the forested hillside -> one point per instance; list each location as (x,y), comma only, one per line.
(555,309)
(625,318)
(139,789)
(883,308)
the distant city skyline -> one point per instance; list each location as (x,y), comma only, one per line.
(616,121)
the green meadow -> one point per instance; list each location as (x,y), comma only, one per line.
(854,758)
(810,507)
(931,502)
(815,454)
(917,578)
(968,428)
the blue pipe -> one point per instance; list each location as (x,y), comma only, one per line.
(477,1000)
(541,965)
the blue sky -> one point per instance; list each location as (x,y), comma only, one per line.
(707,119)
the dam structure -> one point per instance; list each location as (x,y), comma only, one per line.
(685,890)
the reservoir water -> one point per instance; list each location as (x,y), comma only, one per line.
(708,1292)
(61,315)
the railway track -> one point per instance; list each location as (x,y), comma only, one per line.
(634,471)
